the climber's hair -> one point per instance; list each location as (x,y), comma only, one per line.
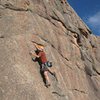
(40,44)
(37,43)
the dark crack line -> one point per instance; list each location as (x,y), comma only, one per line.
(58,20)
(54,18)
(96,71)
(62,24)
(2,36)
(49,19)
(61,95)
(11,7)
(81,91)
(45,6)
(80,68)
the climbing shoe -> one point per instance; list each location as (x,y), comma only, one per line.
(47,84)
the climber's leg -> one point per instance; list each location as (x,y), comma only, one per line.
(52,73)
(47,78)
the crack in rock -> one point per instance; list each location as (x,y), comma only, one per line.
(81,91)
(1,36)
(59,94)
(12,7)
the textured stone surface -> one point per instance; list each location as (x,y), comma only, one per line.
(69,44)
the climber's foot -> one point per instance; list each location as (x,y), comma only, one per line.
(47,84)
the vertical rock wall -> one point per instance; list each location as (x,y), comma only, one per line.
(69,44)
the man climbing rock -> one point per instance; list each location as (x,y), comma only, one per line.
(43,62)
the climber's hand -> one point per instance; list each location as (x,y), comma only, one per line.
(31,52)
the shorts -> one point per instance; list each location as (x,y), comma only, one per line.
(44,67)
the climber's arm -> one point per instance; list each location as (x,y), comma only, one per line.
(33,54)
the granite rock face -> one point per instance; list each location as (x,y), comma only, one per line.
(69,44)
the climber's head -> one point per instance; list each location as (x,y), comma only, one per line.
(38,46)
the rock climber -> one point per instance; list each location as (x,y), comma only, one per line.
(43,62)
